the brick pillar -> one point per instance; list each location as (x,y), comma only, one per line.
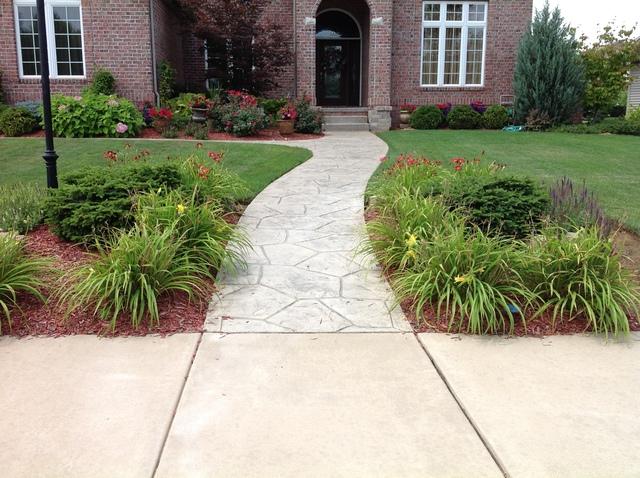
(380,64)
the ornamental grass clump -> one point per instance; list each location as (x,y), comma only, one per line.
(581,275)
(400,226)
(132,271)
(472,279)
(207,238)
(21,207)
(18,274)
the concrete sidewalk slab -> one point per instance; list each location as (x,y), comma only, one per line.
(332,405)
(88,407)
(556,407)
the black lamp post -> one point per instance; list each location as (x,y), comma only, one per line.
(50,156)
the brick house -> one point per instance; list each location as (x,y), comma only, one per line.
(369,56)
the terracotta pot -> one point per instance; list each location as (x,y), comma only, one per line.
(286,126)
(199,115)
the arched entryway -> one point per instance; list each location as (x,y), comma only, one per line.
(339,58)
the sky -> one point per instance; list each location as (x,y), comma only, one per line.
(585,15)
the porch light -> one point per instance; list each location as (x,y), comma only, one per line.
(50,156)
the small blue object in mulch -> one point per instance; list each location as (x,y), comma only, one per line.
(514,129)
(514,309)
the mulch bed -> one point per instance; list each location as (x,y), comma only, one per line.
(269,134)
(177,314)
(629,246)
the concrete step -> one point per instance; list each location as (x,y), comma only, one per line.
(346,127)
(343,119)
(347,111)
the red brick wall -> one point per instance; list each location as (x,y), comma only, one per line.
(168,37)
(506,23)
(116,37)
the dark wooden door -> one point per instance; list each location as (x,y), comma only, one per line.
(338,72)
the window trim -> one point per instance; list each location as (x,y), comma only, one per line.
(442,26)
(51,38)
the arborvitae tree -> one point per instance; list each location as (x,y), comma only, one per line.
(549,75)
(248,50)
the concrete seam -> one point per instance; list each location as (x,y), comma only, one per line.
(177,404)
(485,441)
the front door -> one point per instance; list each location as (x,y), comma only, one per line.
(338,72)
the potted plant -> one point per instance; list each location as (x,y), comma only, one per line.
(406,111)
(160,118)
(287,119)
(200,106)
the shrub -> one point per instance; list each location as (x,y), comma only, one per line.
(169,132)
(33,107)
(16,122)
(92,202)
(131,272)
(166,81)
(308,121)
(103,82)
(634,115)
(18,273)
(197,131)
(470,278)
(272,106)
(582,276)
(181,106)
(606,126)
(538,121)
(244,121)
(426,117)
(508,206)
(94,115)
(576,208)
(496,117)
(464,117)
(21,207)
(208,239)
(478,106)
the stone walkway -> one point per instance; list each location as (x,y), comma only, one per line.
(304,275)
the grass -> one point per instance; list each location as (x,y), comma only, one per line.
(609,164)
(257,164)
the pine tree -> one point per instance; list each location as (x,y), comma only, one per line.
(549,75)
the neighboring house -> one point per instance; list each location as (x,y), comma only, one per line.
(368,55)
(633,98)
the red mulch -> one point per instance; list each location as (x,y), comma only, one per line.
(270,134)
(177,314)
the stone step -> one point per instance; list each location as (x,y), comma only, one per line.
(343,119)
(346,127)
(347,111)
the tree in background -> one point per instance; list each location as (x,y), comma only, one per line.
(549,75)
(248,50)
(608,62)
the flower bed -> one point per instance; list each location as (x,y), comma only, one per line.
(470,248)
(135,250)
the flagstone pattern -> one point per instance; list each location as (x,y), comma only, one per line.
(304,274)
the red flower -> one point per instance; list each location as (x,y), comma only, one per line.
(458,168)
(203,171)
(111,155)
(216,157)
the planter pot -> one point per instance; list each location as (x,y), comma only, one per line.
(199,115)
(286,126)
(405,116)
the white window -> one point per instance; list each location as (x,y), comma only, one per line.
(64,38)
(454,36)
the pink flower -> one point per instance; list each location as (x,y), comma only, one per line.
(77,98)
(121,128)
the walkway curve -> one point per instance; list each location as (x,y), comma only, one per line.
(304,275)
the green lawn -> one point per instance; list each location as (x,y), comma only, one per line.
(258,164)
(609,164)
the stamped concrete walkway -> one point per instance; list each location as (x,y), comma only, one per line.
(303,275)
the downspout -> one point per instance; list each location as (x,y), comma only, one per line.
(295,51)
(154,65)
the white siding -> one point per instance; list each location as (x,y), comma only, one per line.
(634,89)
